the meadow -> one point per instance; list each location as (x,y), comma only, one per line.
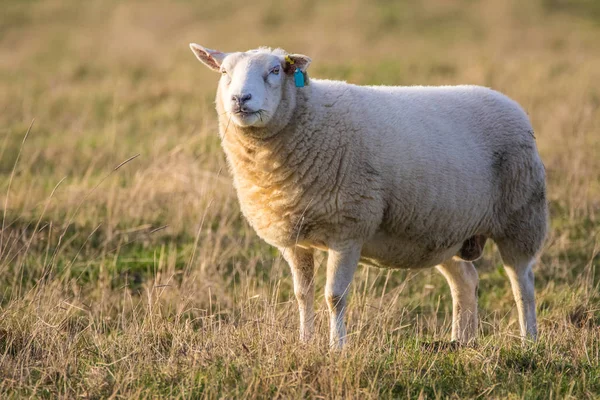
(128,271)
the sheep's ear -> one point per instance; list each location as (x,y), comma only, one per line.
(293,61)
(211,58)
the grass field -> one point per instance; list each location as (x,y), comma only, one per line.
(145,281)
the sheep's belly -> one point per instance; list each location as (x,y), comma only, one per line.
(396,252)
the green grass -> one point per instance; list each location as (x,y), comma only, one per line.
(146,281)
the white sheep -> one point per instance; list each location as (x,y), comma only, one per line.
(396,177)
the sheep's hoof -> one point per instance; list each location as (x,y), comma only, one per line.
(472,248)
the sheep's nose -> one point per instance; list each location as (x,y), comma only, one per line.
(241,99)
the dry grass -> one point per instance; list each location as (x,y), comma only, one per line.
(99,299)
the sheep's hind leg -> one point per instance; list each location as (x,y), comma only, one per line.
(341,264)
(463,280)
(301,262)
(520,273)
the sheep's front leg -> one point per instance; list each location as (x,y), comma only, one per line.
(341,264)
(463,280)
(301,262)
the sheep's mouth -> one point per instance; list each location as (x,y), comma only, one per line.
(247,115)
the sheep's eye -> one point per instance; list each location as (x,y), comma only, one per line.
(275,71)
(224,71)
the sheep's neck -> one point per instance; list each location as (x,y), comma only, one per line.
(262,163)
(278,179)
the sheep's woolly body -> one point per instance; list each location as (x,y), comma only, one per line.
(411,172)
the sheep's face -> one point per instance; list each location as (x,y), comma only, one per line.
(252,83)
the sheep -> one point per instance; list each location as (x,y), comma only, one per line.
(393,177)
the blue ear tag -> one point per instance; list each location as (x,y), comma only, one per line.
(299,78)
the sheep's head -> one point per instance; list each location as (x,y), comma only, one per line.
(253,83)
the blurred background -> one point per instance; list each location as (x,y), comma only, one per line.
(109,80)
